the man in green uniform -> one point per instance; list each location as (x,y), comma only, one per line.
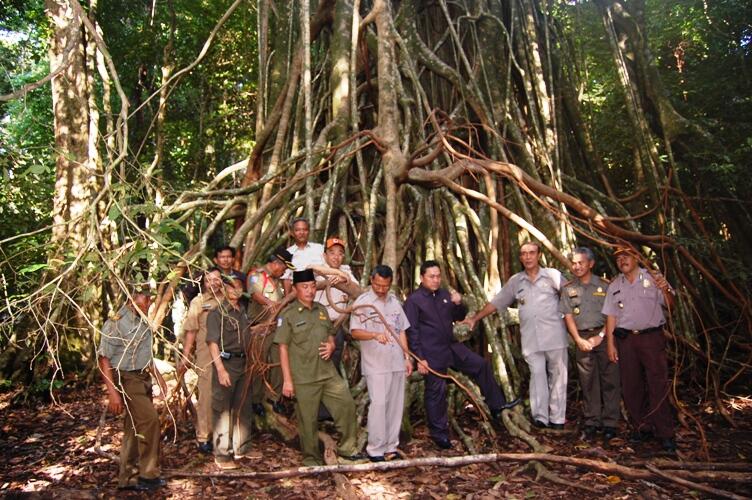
(126,364)
(267,294)
(194,333)
(581,303)
(305,349)
(228,336)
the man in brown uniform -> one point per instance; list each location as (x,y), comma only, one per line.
(634,334)
(126,364)
(267,294)
(305,349)
(228,336)
(194,329)
(581,303)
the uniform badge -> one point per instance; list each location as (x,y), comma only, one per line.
(576,310)
(599,290)
(621,305)
(572,292)
(445,301)
(646,283)
(279,322)
(254,279)
(300,323)
(323,316)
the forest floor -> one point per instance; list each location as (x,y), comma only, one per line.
(49,451)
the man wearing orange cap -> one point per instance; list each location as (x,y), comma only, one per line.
(334,255)
(634,334)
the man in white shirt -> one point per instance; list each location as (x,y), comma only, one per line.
(304,253)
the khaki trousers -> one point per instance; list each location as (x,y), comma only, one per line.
(387,394)
(205,371)
(139,452)
(548,385)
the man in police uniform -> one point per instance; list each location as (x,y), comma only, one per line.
(228,336)
(581,303)
(544,336)
(305,348)
(126,365)
(194,334)
(267,294)
(634,334)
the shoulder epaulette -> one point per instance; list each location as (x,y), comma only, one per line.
(567,283)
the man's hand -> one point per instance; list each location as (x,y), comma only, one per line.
(613,355)
(326,349)
(382,338)
(115,403)
(595,341)
(408,367)
(584,345)
(469,321)
(455,297)
(223,377)
(660,280)
(334,279)
(423,367)
(288,389)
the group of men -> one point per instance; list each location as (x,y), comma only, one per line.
(303,348)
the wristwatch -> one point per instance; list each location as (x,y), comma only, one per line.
(602,334)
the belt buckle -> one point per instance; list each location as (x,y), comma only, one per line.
(634,332)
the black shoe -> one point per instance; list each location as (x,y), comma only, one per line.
(540,425)
(556,427)
(511,404)
(152,483)
(444,444)
(609,433)
(590,431)
(637,437)
(206,448)
(379,458)
(135,487)
(277,407)
(669,445)
(258,409)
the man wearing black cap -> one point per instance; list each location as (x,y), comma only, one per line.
(266,299)
(305,349)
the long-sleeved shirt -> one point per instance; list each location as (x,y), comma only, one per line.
(431,316)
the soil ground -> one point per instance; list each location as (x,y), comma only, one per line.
(49,451)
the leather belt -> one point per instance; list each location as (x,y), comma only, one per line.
(623,333)
(230,355)
(591,330)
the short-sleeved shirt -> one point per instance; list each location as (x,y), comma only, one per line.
(198,311)
(636,306)
(377,358)
(228,327)
(584,301)
(259,281)
(126,341)
(311,255)
(541,324)
(303,330)
(339,297)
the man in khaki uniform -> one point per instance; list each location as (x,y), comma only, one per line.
(305,350)
(194,329)
(228,336)
(125,361)
(267,295)
(581,303)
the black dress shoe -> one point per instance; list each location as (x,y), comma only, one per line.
(636,437)
(444,444)
(206,448)
(355,457)
(609,433)
(378,458)
(540,425)
(152,483)
(511,404)
(590,431)
(669,445)
(135,487)
(556,427)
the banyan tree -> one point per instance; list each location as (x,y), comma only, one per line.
(413,130)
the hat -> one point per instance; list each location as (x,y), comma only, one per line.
(625,248)
(334,240)
(286,257)
(303,276)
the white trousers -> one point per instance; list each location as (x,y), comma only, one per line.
(548,385)
(387,394)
